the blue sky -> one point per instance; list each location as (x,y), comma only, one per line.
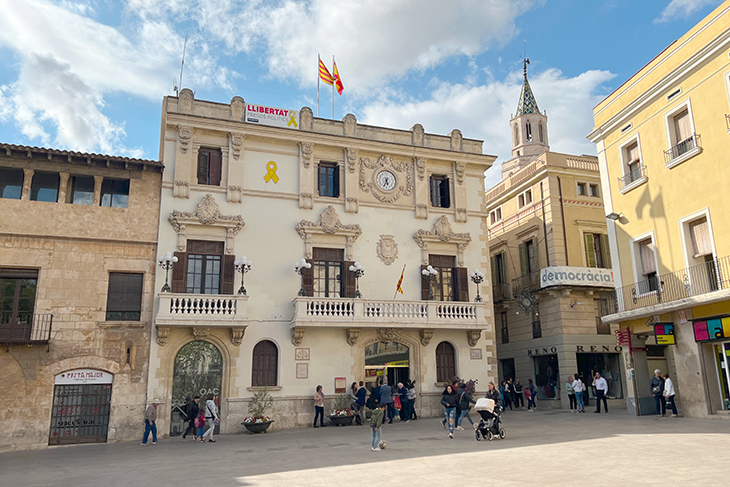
(90,75)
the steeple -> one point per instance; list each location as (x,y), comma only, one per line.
(527,103)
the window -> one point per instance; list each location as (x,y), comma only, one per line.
(444,287)
(525,198)
(329,179)
(528,132)
(593,190)
(647,267)
(682,125)
(597,252)
(445,362)
(701,241)
(328,268)
(495,216)
(210,164)
(503,326)
(582,189)
(82,190)
(11,183)
(499,274)
(204,262)
(633,163)
(17,295)
(115,193)
(44,186)
(516,136)
(601,308)
(440,197)
(528,257)
(265,364)
(539,131)
(124,301)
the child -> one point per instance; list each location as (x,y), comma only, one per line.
(530,395)
(200,424)
(376,422)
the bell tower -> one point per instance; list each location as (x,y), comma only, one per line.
(528,126)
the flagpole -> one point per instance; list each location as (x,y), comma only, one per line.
(333,87)
(318,77)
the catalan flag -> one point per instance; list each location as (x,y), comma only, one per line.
(399,289)
(338,80)
(324,73)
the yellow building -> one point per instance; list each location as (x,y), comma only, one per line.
(662,141)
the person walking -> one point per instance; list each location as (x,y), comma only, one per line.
(376,423)
(657,390)
(191,411)
(465,402)
(530,394)
(669,394)
(571,394)
(511,387)
(601,392)
(411,386)
(386,398)
(405,403)
(494,395)
(200,425)
(354,406)
(455,388)
(211,416)
(517,394)
(578,389)
(506,395)
(150,422)
(449,400)
(318,407)
(361,394)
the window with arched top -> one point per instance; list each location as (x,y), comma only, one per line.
(539,132)
(528,132)
(265,364)
(516,136)
(445,362)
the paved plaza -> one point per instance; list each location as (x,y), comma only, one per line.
(541,448)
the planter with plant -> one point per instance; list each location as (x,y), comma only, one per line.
(261,403)
(342,415)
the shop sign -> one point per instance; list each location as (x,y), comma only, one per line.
(576,276)
(542,351)
(276,117)
(598,349)
(664,333)
(711,329)
(84,376)
(623,336)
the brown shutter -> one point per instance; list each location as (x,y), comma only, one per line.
(425,284)
(462,284)
(446,194)
(215,168)
(228,275)
(350,284)
(336,182)
(202,166)
(180,273)
(308,279)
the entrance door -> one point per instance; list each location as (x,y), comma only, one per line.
(389,361)
(81,403)
(722,354)
(198,372)
(547,376)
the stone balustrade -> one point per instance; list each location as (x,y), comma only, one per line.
(209,310)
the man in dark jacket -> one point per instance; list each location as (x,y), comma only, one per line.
(517,393)
(385,398)
(191,412)
(657,390)
(361,394)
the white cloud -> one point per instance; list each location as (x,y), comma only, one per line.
(680,8)
(483,111)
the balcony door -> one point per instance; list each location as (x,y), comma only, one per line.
(17,303)
(203,269)
(328,267)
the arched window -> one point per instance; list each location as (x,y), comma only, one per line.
(265,363)
(517,136)
(445,363)
(528,132)
(539,132)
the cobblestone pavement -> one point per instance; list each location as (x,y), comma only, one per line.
(541,448)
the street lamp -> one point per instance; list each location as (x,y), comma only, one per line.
(166,262)
(299,269)
(477,277)
(430,273)
(359,271)
(243,266)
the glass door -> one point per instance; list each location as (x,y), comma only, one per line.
(722,354)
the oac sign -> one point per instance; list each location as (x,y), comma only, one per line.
(576,276)
(278,117)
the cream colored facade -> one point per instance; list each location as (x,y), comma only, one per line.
(662,140)
(276,221)
(547,216)
(61,256)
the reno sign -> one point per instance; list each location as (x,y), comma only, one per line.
(278,117)
(576,276)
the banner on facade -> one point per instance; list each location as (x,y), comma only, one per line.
(576,276)
(84,376)
(717,328)
(664,333)
(277,117)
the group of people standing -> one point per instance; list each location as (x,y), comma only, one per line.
(578,393)
(513,392)
(662,388)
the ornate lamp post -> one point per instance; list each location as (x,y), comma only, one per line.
(477,277)
(430,273)
(299,269)
(359,271)
(243,266)
(166,262)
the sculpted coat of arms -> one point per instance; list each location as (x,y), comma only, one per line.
(387,249)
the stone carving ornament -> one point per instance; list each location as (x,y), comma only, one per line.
(421,166)
(387,249)
(207,213)
(460,172)
(185,134)
(237,335)
(386,335)
(351,160)
(329,222)
(442,232)
(237,144)
(307,154)
(426,336)
(352,335)
(297,335)
(473,336)
(403,187)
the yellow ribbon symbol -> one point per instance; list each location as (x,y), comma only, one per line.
(292,120)
(271,172)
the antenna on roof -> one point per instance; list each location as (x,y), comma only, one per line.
(525,59)
(182,65)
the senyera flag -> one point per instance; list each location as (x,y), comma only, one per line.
(399,289)
(338,80)
(324,73)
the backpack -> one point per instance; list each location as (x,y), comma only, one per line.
(411,393)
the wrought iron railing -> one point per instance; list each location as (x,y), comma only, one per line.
(529,281)
(500,292)
(692,142)
(636,172)
(708,277)
(602,328)
(25,327)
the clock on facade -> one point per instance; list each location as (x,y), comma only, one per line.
(386,180)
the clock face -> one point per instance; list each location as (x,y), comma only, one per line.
(386,180)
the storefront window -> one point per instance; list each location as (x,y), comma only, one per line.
(547,376)
(608,364)
(722,352)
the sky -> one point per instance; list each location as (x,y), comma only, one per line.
(90,75)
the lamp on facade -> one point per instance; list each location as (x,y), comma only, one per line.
(243,265)
(430,273)
(477,277)
(359,271)
(166,262)
(299,269)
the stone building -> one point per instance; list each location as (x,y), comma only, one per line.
(78,237)
(550,262)
(278,186)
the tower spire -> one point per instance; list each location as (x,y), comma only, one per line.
(527,103)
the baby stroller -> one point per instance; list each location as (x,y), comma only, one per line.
(490,425)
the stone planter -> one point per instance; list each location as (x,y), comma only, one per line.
(257,428)
(342,420)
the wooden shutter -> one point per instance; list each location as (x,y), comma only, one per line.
(425,284)
(434,191)
(349,278)
(264,364)
(336,182)
(308,279)
(228,274)
(445,365)
(535,255)
(462,284)
(523,259)
(215,168)
(446,193)
(202,166)
(605,251)
(682,126)
(495,272)
(590,250)
(647,257)
(700,231)
(632,153)
(180,273)
(125,292)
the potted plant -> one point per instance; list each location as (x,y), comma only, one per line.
(342,414)
(257,421)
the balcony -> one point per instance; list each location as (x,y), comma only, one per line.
(501,292)
(683,150)
(676,290)
(25,327)
(635,176)
(530,281)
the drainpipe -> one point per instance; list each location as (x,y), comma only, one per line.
(544,228)
(562,214)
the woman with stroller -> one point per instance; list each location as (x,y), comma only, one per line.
(449,400)
(494,395)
